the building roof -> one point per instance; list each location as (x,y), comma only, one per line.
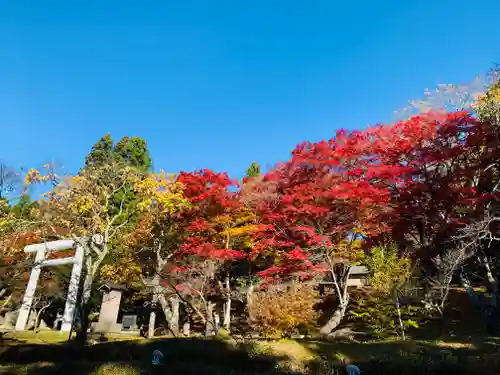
(111,286)
(359,270)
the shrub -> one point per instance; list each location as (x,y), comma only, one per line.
(383,310)
(381,316)
(281,311)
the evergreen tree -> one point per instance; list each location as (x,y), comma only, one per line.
(22,208)
(101,153)
(253,170)
(129,151)
(134,152)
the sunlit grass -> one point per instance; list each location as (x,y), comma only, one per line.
(283,356)
(54,337)
(116,369)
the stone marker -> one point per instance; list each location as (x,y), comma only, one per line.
(110,307)
(129,322)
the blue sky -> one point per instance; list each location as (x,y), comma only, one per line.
(220,84)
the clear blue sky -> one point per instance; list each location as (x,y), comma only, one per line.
(220,84)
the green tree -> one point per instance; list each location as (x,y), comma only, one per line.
(128,151)
(253,170)
(389,276)
(23,207)
(133,152)
(102,152)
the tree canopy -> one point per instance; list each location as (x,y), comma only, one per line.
(427,185)
(130,151)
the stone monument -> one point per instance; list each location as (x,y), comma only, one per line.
(110,307)
(129,323)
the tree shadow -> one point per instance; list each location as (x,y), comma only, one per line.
(410,357)
(181,356)
(214,356)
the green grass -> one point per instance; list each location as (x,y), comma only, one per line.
(53,337)
(226,356)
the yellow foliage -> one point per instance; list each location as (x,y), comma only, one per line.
(388,269)
(237,229)
(125,271)
(487,104)
(160,192)
(82,205)
(33,176)
(77,180)
(284,310)
(223,220)
(240,231)
(349,250)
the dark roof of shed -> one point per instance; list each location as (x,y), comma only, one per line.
(112,286)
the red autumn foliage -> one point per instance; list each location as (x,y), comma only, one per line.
(210,196)
(428,166)
(203,248)
(414,178)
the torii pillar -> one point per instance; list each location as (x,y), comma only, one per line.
(41,251)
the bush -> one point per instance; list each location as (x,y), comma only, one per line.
(381,316)
(116,369)
(281,311)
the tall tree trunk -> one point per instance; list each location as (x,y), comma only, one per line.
(400,320)
(209,321)
(336,318)
(492,281)
(249,300)
(227,307)
(165,308)
(82,333)
(171,312)
(39,315)
(340,283)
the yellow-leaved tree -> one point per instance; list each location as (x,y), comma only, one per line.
(154,240)
(97,208)
(157,197)
(390,274)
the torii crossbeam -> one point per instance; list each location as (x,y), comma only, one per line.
(41,250)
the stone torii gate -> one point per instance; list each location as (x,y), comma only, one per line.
(41,251)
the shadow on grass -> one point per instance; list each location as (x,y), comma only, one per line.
(182,356)
(212,356)
(411,357)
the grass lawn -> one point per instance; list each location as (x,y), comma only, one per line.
(50,353)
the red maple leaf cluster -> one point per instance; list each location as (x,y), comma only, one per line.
(414,180)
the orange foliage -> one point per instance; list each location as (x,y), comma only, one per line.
(283,310)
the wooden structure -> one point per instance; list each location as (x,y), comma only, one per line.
(358,278)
